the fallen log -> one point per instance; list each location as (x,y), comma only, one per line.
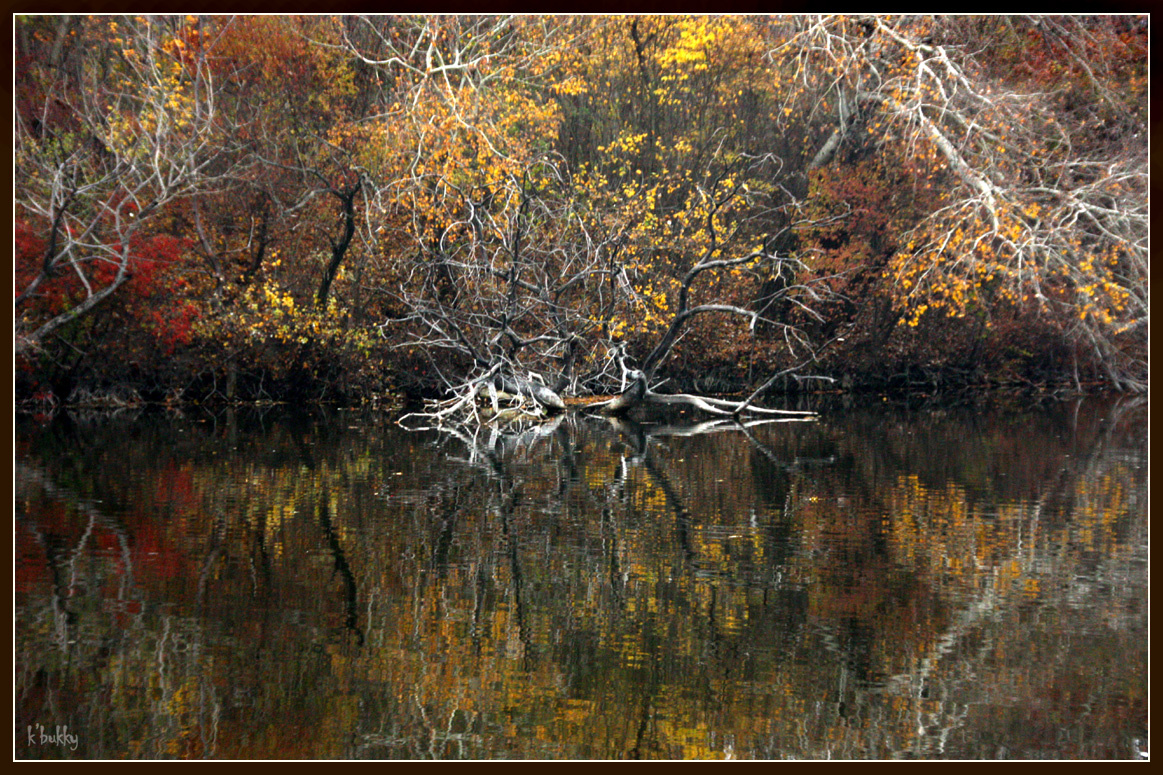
(638,393)
(494,397)
(521,386)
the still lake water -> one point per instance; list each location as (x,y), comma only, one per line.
(885,582)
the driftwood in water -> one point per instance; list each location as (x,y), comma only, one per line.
(493,398)
(523,387)
(639,394)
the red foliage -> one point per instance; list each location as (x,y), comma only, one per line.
(853,205)
(148,294)
(174,327)
(151,256)
(29,250)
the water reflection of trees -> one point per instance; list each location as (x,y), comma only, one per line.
(889,585)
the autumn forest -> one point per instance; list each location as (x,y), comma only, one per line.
(355,209)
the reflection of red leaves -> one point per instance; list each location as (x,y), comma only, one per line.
(155,556)
(157,548)
(147,544)
(176,489)
(31,569)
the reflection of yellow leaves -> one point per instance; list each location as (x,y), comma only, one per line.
(577,711)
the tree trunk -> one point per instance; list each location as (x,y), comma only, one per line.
(339,247)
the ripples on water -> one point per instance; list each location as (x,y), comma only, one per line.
(880,583)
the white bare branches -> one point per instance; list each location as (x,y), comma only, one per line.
(113,139)
(1044,192)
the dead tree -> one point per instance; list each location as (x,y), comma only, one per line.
(637,390)
(524,280)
